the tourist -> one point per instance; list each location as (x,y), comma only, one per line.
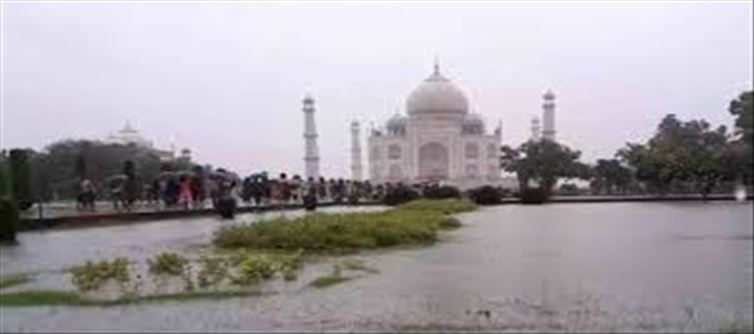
(184,196)
(310,195)
(197,190)
(322,188)
(285,188)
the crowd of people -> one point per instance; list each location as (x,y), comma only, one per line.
(191,191)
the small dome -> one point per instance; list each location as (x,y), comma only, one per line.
(473,119)
(396,124)
(472,124)
(396,120)
(437,94)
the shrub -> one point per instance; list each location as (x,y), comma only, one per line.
(442,192)
(485,195)
(532,196)
(8,220)
(20,172)
(400,194)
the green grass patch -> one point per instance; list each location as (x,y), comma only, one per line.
(413,223)
(8,281)
(40,297)
(445,206)
(330,280)
(70,298)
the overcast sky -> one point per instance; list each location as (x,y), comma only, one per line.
(227,79)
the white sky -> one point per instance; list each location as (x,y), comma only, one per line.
(226,79)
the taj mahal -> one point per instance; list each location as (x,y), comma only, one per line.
(438,140)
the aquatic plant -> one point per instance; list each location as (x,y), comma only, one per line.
(413,223)
(92,275)
(213,271)
(166,265)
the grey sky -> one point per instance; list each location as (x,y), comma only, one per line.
(226,79)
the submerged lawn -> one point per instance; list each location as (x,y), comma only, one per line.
(416,222)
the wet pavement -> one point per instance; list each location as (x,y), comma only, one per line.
(570,267)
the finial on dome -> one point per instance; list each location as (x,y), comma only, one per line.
(436,66)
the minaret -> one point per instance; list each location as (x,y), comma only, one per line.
(311,155)
(548,116)
(535,129)
(355,151)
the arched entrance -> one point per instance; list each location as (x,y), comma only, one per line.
(433,162)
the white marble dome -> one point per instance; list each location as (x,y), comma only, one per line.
(437,94)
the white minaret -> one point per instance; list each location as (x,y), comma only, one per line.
(355,151)
(548,116)
(311,155)
(535,129)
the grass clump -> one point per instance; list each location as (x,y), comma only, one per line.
(39,297)
(92,275)
(413,223)
(8,281)
(445,206)
(166,265)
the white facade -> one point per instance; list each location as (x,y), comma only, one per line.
(438,141)
(311,150)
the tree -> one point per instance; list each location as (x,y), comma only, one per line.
(743,146)
(682,154)
(741,108)
(543,161)
(609,175)
(20,173)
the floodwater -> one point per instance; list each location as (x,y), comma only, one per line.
(570,267)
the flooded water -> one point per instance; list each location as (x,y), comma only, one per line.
(611,266)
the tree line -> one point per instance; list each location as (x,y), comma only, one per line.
(681,157)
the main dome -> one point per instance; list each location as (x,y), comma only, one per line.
(437,94)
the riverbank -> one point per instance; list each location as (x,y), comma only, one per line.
(114,218)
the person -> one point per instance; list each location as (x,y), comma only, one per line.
(184,195)
(257,191)
(285,189)
(197,190)
(310,195)
(172,191)
(153,195)
(322,188)
(86,197)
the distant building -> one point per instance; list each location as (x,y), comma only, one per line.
(128,135)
